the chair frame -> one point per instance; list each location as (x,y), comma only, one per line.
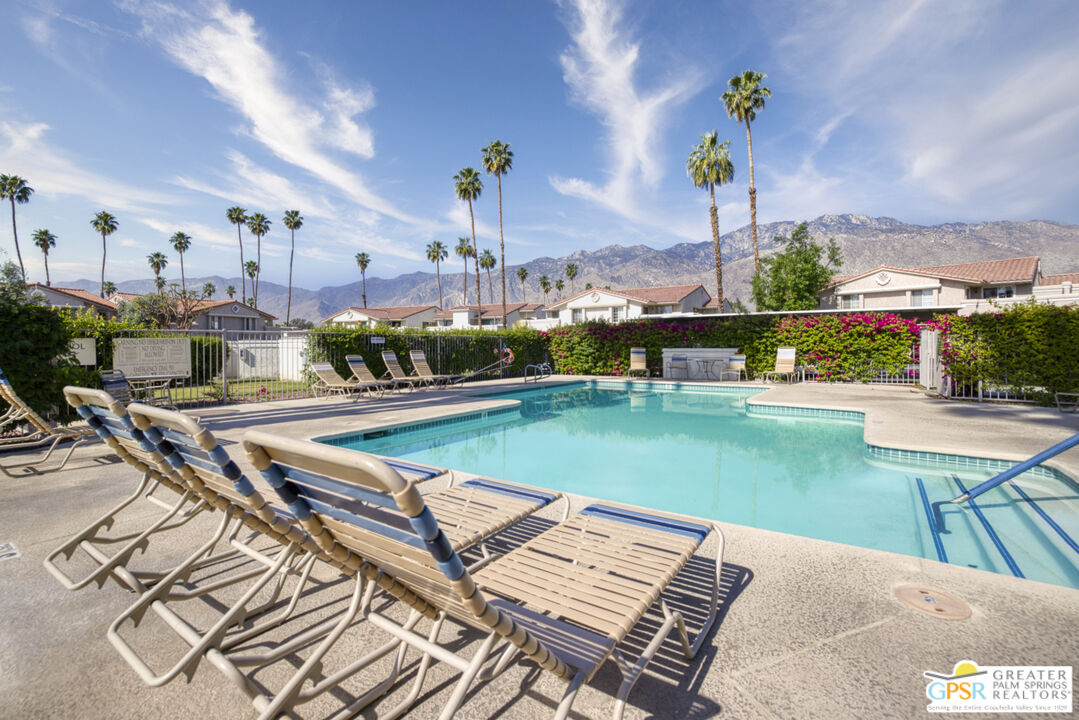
(362,375)
(43,434)
(786,365)
(678,362)
(736,365)
(397,373)
(424,372)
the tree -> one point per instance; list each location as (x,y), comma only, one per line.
(15,189)
(209,290)
(180,243)
(709,164)
(238,217)
(571,272)
(522,275)
(468,186)
(588,286)
(436,253)
(251,268)
(105,224)
(792,279)
(487,261)
(45,240)
(231,291)
(159,283)
(559,285)
(464,251)
(258,225)
(744,98)
(108,289)
(293,221)
(545,286)
(363,260)
(157,262)
(497,161)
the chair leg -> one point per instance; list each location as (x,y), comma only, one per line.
(467,677)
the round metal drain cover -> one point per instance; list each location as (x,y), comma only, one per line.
(933,602)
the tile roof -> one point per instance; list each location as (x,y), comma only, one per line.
(648,296)
(488,309)
(399,312)
(1021,269)
(78,294)
(1060,278)
(207,305)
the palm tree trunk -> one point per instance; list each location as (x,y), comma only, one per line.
(47,280)
(491,290)
(464,285)
(363,287)
(258,267)
(476,257)
(501,252)
(183,277)
(103,248)
(438,276)
(292,252)
(524,292)
(243,269)
(715,242)
(753,203)
(15,232)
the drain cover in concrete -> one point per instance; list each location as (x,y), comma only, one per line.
(8,551)
(933,602)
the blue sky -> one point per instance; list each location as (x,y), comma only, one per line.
(359,114)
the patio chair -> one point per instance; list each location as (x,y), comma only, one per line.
(362,375)
(678,362)
(153,391)
(328,382)
(566,599)
(1067,402)
(736,366)
(41,434)
(423,370)
(637,361)
(785,365)
(114,426)
(398,375)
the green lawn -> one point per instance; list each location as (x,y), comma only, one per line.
(239,391)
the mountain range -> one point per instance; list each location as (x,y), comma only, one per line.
(866,242)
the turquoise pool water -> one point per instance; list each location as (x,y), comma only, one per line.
(703,454)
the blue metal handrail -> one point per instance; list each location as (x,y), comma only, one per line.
(1005,476)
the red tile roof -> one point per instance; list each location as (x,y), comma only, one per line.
(649,296)
(207,305)
(1060,278)
(1021,269)
(399,312)
(488,309)
(78,294)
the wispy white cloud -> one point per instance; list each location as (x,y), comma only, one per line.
(600,69)
(25,145)
(225,47)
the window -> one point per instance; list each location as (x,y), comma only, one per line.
(921,298)
(992,293)
(216,322)
(617,314)
(850,302)
(249,323)
(578,315)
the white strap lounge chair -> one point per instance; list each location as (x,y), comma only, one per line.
(41,434)
(566,599)
(736,366)
(785,365)
(637,361)
(328,382)
(398,375)
(362,375)
(423,370)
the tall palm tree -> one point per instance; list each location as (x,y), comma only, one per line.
(559,285)
(180,243)
(497,161)
(15,189)
(45,240)
(238,217)
(363,260)
(487,261)
(251,269)
(545,286)
(258,225)
(209,290)
(571,272)
(159,283)
(468,186)
(522,275)
(231,291)
(744,98)
(464,251)
(293,221)
(108,289)
(105,224)
(157,261)
(436,253)
(709,164)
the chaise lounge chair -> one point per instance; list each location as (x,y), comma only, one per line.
(362,375)
(637,361)
(423,370)
(328,382)
(398,375)
(785,365)
(42,434)
(566,599)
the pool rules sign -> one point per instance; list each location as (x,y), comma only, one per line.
(152,357)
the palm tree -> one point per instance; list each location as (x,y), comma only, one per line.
(105,224)
(522,275)
(464,251)
(45,240)
(157,261)
(709,164)
(180,243)
(238,217)
(159,283)
(545,286)
(558,285)
(258,224)
(497,161)
(487,261)
(744,98)
(108,289)
(436,253)
(468,186)
(571,272)
(15,189)
(231,291)
(209,290)
(293,221)
(251,269)
(363,260)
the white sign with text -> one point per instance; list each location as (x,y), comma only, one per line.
(152,357)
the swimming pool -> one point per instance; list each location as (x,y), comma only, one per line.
(711,454)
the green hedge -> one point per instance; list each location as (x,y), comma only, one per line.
(32,355)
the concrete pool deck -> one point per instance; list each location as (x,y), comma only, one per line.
(808,628)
